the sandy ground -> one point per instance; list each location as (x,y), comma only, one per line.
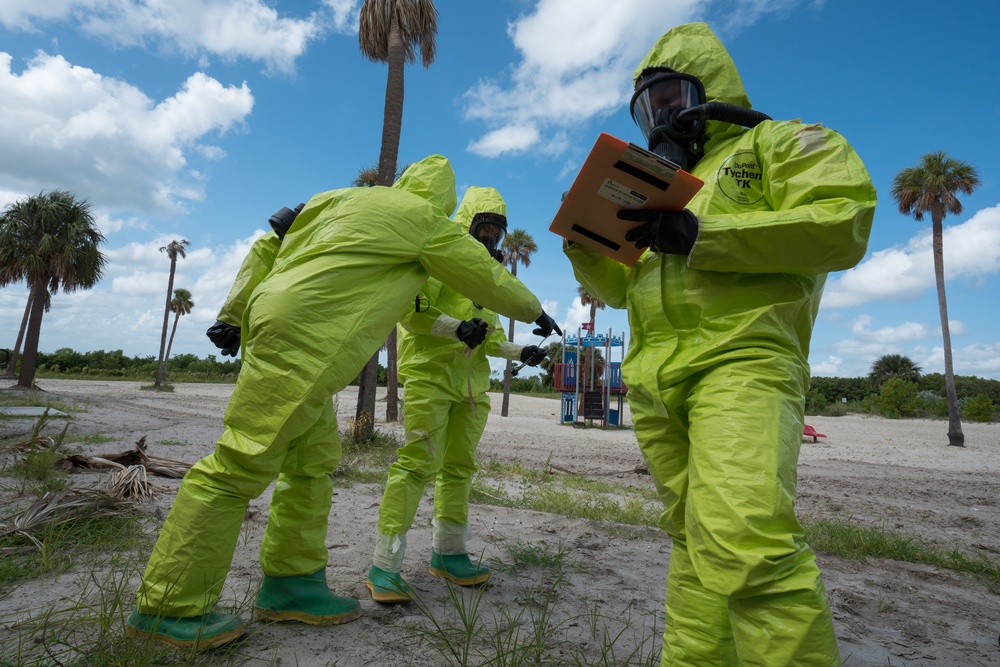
(895,474)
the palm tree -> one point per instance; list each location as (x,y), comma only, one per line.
(181,304)
(50,241)
(932,187)
(588,299)
(12,360)
(173,250)
(892,366)
(389,32)
(518,247)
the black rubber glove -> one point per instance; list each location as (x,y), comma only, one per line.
(472,332)
(226,337)
(670,232)
(533,355)
(546,325)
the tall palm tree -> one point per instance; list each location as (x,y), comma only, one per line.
(50,241)
(518,247)
(588,299)
(12,360)
(932,187)
(181,304)
(892,366)
(389,32)
(174,249)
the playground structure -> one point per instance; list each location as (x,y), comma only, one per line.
(585,382)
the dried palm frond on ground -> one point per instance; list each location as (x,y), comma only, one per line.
(62,507)
(37,441)
(130,484)
(135,457)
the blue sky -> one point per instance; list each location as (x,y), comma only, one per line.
(197,119)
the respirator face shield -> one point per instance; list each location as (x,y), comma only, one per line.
(663,90)
(490,229)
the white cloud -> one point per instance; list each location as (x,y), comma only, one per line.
(906,332)
(904,273)
(829,367)
(576,60)
(125,309)
(70,127)
(227,29)
(509,139)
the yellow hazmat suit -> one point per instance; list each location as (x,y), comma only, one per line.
(446,407)
(717,370)
(255,267)
(341,279)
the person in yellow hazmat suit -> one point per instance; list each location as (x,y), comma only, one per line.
(225,333)
(721,311)
(343,275)
(443,350)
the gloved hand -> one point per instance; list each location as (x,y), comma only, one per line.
(472,332)
(533,355)
(226,337)
(546,325)
(670,232)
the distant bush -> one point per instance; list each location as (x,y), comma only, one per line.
(834,410)
(815,402)
(897,398)
(933,405)
(978,409)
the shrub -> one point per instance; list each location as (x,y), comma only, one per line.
(815,402)
(897,398)
(979,408)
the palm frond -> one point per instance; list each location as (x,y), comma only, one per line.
(55,508)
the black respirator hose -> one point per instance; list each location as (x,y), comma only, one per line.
(727,113)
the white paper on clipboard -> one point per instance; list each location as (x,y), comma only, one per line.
(619,175)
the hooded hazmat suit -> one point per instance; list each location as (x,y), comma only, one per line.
(341,279)
(255,267)
(446,406)
(717,370)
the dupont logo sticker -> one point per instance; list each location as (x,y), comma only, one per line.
(740,178)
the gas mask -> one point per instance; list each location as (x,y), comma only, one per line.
(490,230)
(671,111)
(660,98)
(282,221)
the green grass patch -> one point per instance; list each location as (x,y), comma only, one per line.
(575,496)
(57,547)
(849,540)
(90,439)
(366,456)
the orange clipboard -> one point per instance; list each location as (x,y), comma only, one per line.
(619,175)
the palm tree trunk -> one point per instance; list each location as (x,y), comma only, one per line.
(504,407)
(12,363)
(30,359)
(364,415)
(161,368)
(392,121)
(170,343)
(955,436)
(391,380)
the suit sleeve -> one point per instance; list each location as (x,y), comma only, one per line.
(464,264)
(256,265)
(822,201)
(605,278)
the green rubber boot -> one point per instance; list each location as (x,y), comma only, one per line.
(459,569)
(198,632)
(305,598)
(388,586)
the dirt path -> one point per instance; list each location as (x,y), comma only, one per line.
(893,474)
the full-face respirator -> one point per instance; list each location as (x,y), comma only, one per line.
(671,111)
